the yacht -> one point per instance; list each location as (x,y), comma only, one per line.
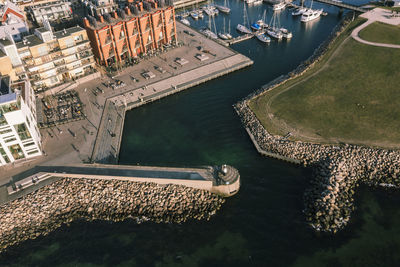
(209,34)
(310,15)
(242,28)
(224,9)
(223,36)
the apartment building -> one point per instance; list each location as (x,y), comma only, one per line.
(50,10)
(136,30)
(12,21)
(19,135)
(100,7)
(50,58)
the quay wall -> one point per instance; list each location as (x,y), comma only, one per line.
(337,170)
(68,199)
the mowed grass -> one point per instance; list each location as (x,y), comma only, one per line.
(354,98)
(381,33)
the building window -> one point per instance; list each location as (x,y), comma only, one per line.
(10,140)
(33,152)
(29,144)
(16,151)
(5,131)
(22,131)
(4,155)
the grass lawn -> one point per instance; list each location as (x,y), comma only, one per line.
(352,96)
(381,33)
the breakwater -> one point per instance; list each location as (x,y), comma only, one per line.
(69,199)
(336,169)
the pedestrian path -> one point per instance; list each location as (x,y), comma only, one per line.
(377,14)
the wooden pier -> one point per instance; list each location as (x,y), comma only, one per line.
(240,38)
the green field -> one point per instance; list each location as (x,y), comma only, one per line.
(351,96)
(381,33)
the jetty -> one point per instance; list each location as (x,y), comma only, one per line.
(240,38)
(222,180)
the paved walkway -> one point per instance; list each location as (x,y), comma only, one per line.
(377,14)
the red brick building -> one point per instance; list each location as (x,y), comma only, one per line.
(128,33)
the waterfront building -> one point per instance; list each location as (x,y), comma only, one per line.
(19,135)
(130,32)
(50,58)
(50,10)
(12,21)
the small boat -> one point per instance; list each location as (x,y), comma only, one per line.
(209,33)
(223,36)
(299,11)
(257,2)
(278,6)
(243,29)
(194,15)
(185,21)
(255,27)
(310,15)
(224,9)
(285,33)
(249,2)
(275,33)
(263,38)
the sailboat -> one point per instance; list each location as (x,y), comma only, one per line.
(207,31)
(223,35)
(228,34)
(260,24)
(273,29)
(311,14)
(184,13)
(242,28)
(194,14)
(224,9)
(261,36)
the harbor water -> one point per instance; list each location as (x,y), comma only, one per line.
(263,225)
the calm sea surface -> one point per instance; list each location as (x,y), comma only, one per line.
(263,224)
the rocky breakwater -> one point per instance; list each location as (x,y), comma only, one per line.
(69,199)
(337,171)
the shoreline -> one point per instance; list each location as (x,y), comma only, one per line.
(336,169)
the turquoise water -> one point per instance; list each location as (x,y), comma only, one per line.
(263,224)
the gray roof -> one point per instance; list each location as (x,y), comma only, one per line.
(67,32)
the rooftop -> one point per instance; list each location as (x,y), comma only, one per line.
(124,16)
(67,32)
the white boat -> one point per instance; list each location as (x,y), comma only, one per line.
(275,33)
(209,34)
(249,2)
(278,6)
(286,33)
(185,21)
(194,15)
(263,38)
(274,26)
(299,11)
(224,9)
(223,36)
(242,28)
(257,2)
(310,15)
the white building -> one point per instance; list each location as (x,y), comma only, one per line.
(12,21)
(51,11)
(19,135)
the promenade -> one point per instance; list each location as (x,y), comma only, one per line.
(97,137)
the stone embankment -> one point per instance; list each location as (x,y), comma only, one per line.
(69,199)
(337,169)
